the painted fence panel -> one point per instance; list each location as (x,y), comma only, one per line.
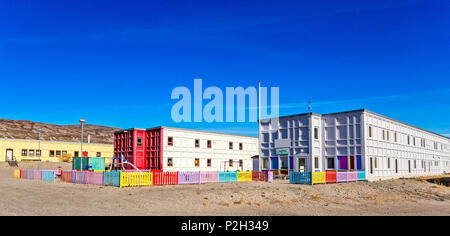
(17,174)
(48,175)
(165,178)
(209,177)
(331,177)
(227,177)
(30,174)
(136,179)
(244,176)
(300,178)
(112,179)
(341,176)
(270,177)
(66,176)
(188,177)
(361,175)
(95,178)
(34,174)
(352,176)
(23,174)
(80,177)
(259,175)
(318,178)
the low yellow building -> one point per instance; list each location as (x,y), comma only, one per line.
(53,151)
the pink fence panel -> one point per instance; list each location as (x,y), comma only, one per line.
(270,176)
(79,177)
(352,176)
(188,177)
(341,176)
(209,177)
(95,178)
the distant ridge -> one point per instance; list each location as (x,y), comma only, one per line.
(24,129)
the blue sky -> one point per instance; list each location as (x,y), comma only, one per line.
(115,63)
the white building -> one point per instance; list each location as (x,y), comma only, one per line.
(353,140)
(176,149)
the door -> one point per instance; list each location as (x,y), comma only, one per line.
(409,166)
(9,155)
(301,164)
(371,165)
(396,166)
(352,163)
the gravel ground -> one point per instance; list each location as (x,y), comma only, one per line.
(388,197)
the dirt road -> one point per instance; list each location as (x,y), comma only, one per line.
(390,197)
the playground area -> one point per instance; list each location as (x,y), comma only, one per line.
(258,198)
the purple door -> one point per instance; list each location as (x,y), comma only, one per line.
(342,163)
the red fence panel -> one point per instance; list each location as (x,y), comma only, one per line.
(165,178)
(66,176)
(259,176)
(331,177)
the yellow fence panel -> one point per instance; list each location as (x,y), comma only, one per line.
(136,179)
(318,177)
(17,174)
(244,176)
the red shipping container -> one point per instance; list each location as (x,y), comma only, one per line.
(331,177)
(165,178)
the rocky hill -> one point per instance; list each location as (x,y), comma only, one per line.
(23,129)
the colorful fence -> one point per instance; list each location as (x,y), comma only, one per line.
(146,178)
(112,179)
(244,176)
(188,177)
(94,178)
(165,178)
(341,176)
(48,175)
(300,178)
(227,177)
(318,178)
(352,176)
(361,175)
(66,176)
(79,177)
(331,177)
(136,179)
(259,175)
(17,174)
(209,177)
(270,177)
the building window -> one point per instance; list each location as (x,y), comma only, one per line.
(316,133)
(197,162)
(24,152)
(316,162)
(266,163)
(208,161)
(58,153)
(241,146)
(409,141)
(209,144)
(376,163)
(415,165)
(139,142)
(330,163)
(38,153)
(387,135)
(395,136)
(231,146)
(384,135)
(76,154)
(414,141)
(197,143)
(169,162)
(241,163)
(230,163)
(170,141)
(99,154)
(389,163)
(31,153)
(64,153)
(370,131)
(52,153)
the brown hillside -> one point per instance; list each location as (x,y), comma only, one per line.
(23,129)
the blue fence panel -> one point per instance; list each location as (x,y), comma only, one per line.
(300,178)
(361,175)
(112,178)
(227,177)
(48,175)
